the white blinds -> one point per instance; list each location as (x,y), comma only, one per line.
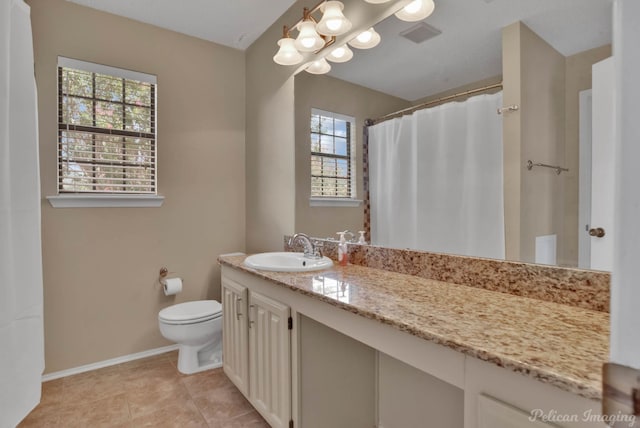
(331,155)
(106,129)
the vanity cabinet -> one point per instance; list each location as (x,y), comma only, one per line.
(369,373)
(235,340)
(498,398)
(257,350)
(270,359)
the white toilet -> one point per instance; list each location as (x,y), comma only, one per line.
(197,329)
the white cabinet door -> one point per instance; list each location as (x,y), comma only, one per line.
(270,359)
(235,349)
(495,414)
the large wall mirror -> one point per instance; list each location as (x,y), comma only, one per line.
(463,183)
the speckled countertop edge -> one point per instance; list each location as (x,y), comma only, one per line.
(554,343)
(587,289)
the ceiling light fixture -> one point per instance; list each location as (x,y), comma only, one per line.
(340,54)
(287,54)
(417,10)
(308,39)
(333,22)
(320,66)
(366,40)
(314,37)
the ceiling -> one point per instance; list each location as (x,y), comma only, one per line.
(468,50)
(234,23)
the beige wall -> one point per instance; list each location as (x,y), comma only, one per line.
(101,295)
(270,185)
(545,85)
(337,96)
(534,79)
(511,130)
(270,140)
(578,78)
(542,125)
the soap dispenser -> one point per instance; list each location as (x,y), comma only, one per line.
(343,253)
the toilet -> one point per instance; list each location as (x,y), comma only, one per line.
(197,329)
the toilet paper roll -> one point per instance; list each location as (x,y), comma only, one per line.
(172,286)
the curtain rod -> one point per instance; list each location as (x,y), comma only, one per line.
(412,109)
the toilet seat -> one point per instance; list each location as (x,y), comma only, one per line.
(191,312)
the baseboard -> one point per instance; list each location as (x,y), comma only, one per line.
(107,363)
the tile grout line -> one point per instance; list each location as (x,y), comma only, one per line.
(191,397)
(69,389)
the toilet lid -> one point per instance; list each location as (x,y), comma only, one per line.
(190,312)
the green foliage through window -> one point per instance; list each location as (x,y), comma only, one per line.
(330,156)
(106,133)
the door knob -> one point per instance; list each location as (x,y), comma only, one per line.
(598,232)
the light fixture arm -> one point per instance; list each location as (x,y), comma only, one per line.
(306,14)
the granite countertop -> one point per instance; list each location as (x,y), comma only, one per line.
(553,343)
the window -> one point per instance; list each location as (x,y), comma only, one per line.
(106,129)
(332,156)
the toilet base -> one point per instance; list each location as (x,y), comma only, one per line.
(194,359)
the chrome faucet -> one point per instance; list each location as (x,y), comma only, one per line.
(312,248)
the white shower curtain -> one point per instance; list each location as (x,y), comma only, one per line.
(436,179)
(21,325)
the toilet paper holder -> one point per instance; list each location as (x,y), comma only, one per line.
(170,286)
(163,274)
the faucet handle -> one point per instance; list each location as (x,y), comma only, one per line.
(352,236)
(317,248)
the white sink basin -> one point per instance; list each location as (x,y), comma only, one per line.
(286,262)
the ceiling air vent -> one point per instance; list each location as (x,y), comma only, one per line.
(420,32)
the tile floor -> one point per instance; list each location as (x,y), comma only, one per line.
(150,392)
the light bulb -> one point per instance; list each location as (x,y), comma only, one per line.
(333,22)
(417,10)
(308,40)
(364,37)
(366,40)
(413,7)
(340,54)
(320,66)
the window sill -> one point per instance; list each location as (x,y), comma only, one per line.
(105,201)
(334,202)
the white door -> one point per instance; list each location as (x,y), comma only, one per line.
(603,166)
(584,196)
(269,359)
(235,350)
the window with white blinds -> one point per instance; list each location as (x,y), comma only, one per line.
(106,129)
(332,155)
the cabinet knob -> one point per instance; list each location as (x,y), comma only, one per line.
(598,232)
